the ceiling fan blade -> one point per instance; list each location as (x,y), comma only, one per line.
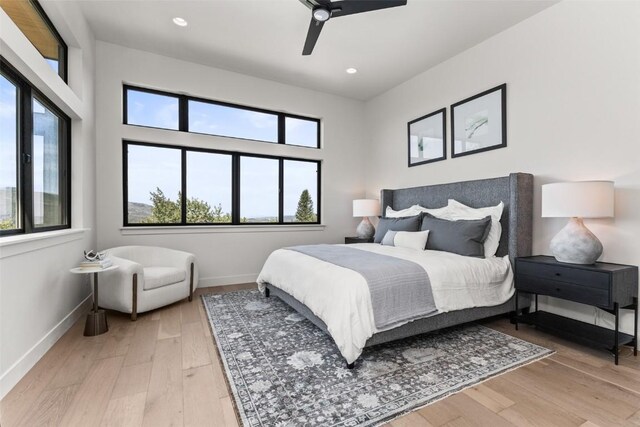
(351,7)
(312,36)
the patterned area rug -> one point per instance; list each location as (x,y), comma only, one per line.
(284,371)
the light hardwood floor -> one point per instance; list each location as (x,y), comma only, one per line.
(164,370)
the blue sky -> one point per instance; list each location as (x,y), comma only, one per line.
(8,95)
(209,174)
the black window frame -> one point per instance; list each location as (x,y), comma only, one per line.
(235,186)
(27,92)
(63,50)
(183,116)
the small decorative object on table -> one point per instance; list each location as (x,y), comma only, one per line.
(365,208)
(575,244)
(95,259)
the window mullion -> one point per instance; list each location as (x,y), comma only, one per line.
(235,189)
(282,138)
(183,190)
(281,191)
(183,114)
(26,142)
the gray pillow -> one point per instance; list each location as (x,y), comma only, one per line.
(388,239)
(462,237)
(409,223)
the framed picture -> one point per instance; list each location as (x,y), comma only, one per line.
(427,140)
(479,123)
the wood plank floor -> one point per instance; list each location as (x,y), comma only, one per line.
(164,370)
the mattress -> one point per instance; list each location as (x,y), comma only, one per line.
(340,296)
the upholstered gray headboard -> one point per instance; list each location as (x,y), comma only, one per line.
(515,190)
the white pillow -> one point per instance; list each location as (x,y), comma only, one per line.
(411,239)
(458,210)
(412,211)
(415,210)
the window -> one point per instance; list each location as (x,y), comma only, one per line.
(152,108)
(36,26)
(9,218)
(208,187)
(46,166)
(145,108)
(302,132)
(259,189)
(215,119)
(219,187)
(154,185)
(35,158)
(300,191)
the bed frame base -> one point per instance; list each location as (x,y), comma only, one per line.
(417,327)
(515,191)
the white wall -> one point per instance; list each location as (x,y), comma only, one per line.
(225,255)
(573,103)
(39,298)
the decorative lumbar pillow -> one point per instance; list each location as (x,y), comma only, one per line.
(411,223)
(411,239)
(459,211)
(462,237)
(388,238)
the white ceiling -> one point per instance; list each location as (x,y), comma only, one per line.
(264,38)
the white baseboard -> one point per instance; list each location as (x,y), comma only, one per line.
(206,282)
(14,374)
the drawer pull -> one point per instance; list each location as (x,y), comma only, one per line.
(558,274)
(558,289)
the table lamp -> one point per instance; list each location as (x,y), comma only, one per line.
(365,208)
(575,243)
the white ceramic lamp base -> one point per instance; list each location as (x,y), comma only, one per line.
(365,229)
(576,244)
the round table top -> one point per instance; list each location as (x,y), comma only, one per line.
(80,270)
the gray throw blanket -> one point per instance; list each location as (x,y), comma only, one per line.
(400,289)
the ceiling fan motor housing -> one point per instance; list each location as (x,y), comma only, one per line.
(321,14)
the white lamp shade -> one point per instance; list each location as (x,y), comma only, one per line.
(366,207)
(586,199)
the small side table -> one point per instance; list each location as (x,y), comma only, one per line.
(96,323)
(349,240)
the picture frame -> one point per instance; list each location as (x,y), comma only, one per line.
(427,138)
(479,123)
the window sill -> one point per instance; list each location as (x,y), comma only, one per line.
(16,245)
(198,229)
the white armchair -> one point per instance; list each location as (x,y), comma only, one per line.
(148,277)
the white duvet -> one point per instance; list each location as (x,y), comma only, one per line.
(340,296)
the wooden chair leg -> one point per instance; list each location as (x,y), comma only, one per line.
(191,285)
(134,304)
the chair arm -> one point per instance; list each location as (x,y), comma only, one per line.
(116,285)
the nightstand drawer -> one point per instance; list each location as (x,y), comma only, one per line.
(569,274)
(569,291)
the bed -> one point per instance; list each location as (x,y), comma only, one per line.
(515,191)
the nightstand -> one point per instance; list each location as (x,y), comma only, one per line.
(349,240)
(607,286)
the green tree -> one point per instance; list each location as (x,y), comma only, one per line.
(167,211)
(7,224)
(305,211)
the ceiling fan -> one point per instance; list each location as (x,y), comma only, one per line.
(323,10)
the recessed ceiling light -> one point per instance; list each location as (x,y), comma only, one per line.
(351,70)
(180,22)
